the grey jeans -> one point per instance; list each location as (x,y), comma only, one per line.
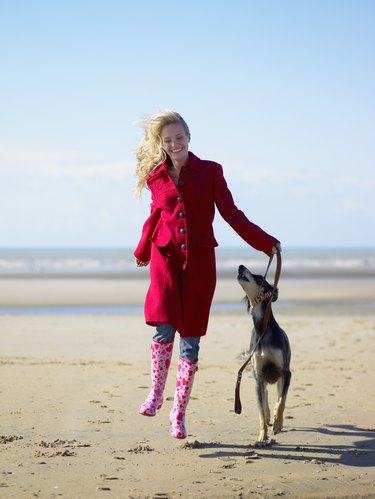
(189,346)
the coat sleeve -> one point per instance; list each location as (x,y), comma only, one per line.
(143,249)
(251,233)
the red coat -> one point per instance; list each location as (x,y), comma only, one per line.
(179,241)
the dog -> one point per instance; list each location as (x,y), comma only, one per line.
(270,362)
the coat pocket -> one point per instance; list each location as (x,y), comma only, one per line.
(161,236)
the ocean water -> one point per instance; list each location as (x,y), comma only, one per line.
(119,262)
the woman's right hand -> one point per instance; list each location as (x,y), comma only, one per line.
(139,263)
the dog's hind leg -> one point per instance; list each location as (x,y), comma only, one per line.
(262,400)
(282,387)
(267,411)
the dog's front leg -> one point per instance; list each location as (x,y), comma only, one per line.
(262,406)
(282,386)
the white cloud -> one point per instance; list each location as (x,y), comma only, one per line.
(113,170)
(51,195)
(31,159)
(365,182)
(72,197)
(298,182)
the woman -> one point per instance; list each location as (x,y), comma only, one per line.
(178,241)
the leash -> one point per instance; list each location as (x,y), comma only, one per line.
(267,313)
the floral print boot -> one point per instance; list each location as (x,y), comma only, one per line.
(161,354)
(184,383)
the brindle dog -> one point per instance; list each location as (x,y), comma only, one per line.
(271,360)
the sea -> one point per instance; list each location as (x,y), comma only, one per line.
(119,262)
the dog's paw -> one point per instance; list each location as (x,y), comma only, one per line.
(262,440)
(277,426)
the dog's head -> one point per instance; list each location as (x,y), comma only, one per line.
(254,286)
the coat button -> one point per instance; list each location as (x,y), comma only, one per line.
(181,214)
(183,246)
(182,230)
(179,199)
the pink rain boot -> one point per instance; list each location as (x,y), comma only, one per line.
(161,354)
(184,383)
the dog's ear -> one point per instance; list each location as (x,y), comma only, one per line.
(246,300)
(275,294)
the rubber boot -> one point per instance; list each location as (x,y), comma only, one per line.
(161,354)
(184,383)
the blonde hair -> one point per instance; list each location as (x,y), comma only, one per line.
(150,152)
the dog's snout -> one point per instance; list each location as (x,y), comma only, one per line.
(241,273)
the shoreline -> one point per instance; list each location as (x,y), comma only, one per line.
(142,274)
(291,307)
(109,292)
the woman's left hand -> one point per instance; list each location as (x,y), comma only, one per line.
(276,249)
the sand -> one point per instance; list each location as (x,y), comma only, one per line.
(71,385)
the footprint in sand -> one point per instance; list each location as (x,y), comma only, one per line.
(60,448)
(141,449)
(6,439)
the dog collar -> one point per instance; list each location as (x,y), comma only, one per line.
(261,298)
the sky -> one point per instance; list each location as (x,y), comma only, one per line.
(281,93)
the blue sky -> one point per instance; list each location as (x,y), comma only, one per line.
(281,93)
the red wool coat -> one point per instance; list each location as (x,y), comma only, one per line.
(178,240)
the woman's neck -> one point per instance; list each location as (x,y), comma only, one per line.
(179,163)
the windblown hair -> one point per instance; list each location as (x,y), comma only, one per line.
(150,152)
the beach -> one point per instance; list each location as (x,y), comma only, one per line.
(74,372)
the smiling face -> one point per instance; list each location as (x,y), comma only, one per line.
(175,142)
